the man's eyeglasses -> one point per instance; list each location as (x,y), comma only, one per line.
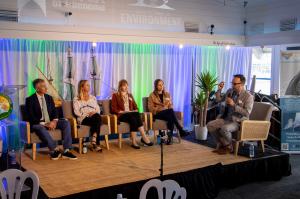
(235,83)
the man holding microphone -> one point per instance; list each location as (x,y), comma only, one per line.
(239,103)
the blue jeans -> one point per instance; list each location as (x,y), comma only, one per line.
(45,137)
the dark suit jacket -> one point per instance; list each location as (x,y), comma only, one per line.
(117,103)
(33,110)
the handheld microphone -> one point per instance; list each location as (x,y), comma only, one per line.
(231,94)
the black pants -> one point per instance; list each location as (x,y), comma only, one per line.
(133,119)
(169,116)
(94,122)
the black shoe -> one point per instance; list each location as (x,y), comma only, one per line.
(69,155)
(170,138)
(135,146)
(148,144)
(184,133)
(55,155)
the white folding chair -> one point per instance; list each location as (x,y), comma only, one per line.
(12,182)
(171,187)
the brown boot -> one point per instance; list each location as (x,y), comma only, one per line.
(219,146)
(225,150)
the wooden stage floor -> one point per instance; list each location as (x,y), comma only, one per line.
(119,166)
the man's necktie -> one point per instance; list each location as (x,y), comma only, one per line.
(45,110)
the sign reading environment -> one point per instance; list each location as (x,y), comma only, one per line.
(290,124)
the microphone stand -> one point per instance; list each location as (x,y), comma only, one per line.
(161,160)
(161,170)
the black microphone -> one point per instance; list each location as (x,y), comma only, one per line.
(231,94)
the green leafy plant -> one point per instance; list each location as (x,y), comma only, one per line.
(206,82)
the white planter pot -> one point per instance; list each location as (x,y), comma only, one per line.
(200,132)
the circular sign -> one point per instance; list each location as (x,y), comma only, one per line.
(6,106)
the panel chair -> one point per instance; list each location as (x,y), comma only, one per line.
(118,127)
(159,125)
(80,131)
(29,137)
(257,127)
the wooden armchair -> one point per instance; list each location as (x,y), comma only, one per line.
(118,127)
(29,137)
(257,127)
(82,131)
(158,125)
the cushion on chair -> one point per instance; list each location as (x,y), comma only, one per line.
(22,111)
(123,128)
(105,106)
(159,125)
(83,131)
(261,111)
(55,134)
(104,129)
(67,107)
(145,104)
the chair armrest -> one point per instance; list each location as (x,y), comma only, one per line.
(57,103)
(149,118)
(25,131)
(254,130)
(114,123)
(73,124)
(105,119)
(144,117)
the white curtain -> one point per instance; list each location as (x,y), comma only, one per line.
(275,69)
(139,64)
(224,62)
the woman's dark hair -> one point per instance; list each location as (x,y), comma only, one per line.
(156,83)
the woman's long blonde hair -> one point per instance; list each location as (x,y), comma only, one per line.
(80,87)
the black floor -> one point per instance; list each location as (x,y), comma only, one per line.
(286,188)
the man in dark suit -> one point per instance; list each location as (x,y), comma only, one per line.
(42,116)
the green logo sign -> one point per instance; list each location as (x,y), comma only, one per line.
(6,106)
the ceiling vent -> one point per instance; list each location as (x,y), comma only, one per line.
(9,15)
(191,27)
(288,24)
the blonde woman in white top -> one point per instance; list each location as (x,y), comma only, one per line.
(87,111)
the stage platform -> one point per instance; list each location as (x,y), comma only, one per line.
(192,165)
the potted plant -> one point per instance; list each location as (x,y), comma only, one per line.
(206,82)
